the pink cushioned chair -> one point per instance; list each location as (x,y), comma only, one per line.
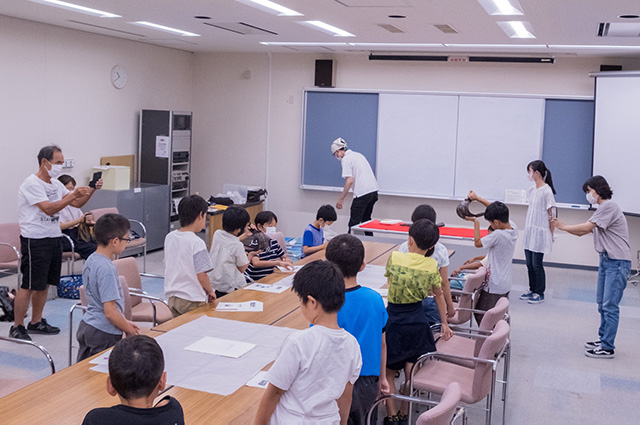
(433,372)
(139,244)
(445,412)
(472,283)
(10,248)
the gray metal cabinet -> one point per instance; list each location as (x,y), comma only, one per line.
(147,203)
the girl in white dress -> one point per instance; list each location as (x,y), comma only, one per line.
(538,230)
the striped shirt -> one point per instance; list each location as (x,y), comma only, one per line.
(273,252)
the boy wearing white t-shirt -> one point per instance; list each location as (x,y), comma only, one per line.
(312,379)
(186,283)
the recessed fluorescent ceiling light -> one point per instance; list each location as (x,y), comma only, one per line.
(517,29)
(398,44)
(165,29)
(335,31)
(501,7)
(271,7)
(301,43)
(593,47)
(77,8)
(498,46)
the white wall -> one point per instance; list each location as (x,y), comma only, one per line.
(56,88)
(232,133)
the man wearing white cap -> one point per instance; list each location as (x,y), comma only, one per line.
(359,175)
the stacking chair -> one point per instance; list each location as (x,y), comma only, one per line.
(472,283)
(10,248)
(157,309)
(70,257)
(136,244)
(433,372)
(467,341)
(9,385)
(445,412)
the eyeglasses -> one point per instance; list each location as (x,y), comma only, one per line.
(129,239)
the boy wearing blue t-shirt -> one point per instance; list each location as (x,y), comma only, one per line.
(365,317)
(313,237)
(103,323)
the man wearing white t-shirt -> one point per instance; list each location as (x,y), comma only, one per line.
(359,175)
(41,197)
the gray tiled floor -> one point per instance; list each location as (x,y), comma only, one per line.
(551,381)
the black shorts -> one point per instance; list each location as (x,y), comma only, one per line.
(41,262)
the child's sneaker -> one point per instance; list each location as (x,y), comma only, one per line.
(536,299)
(526,296)
(599,353)
(592,344)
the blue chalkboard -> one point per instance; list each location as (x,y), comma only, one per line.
(329,115)
(567,147)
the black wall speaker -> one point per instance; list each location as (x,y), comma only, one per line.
(325,73)
(604,68)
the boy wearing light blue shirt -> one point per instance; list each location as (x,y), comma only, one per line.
(103,323)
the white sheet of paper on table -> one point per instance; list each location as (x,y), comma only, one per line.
(390,221)
(383,292)
(287,281)
(259,381)
(244,306)
(221,347)
(102,359)
(372,277)
(275,288)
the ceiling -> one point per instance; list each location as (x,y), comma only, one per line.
(562,27)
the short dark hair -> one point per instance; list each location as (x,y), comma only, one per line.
(497,211)
(190,208)
(264,217)
(235,218)
(327,213)
(600,185)
(65,179)
(347,252)
(323,281)
(47,153)
(425,234)
(110,226)
(424,211)
(136,364)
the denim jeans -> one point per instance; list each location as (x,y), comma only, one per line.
(612,279)
(537,277)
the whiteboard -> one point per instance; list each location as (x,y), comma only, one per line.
(416,149)
(497,138)
(616,150)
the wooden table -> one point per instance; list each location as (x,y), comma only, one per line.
(67,396)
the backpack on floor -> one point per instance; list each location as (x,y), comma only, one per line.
(68,286)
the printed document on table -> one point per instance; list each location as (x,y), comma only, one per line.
(244,306)
(220,347)
(259,381)
(275,288)
(372,277)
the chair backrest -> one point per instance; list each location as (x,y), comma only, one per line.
(83,296)
(444,411)
(490,349)
(279,236)
(127,298)
(128,267)
(9,233)
(491,318)
(471,284)
(99,212)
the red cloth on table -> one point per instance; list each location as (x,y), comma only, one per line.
(461,232)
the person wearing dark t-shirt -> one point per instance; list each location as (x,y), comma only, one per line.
(136,376)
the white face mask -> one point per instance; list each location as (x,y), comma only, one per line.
(339,158)
(270,230)
(591,199)
(55,171)
(530,177)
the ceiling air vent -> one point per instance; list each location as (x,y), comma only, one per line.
(619,29)
(391,28)
(447,29)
